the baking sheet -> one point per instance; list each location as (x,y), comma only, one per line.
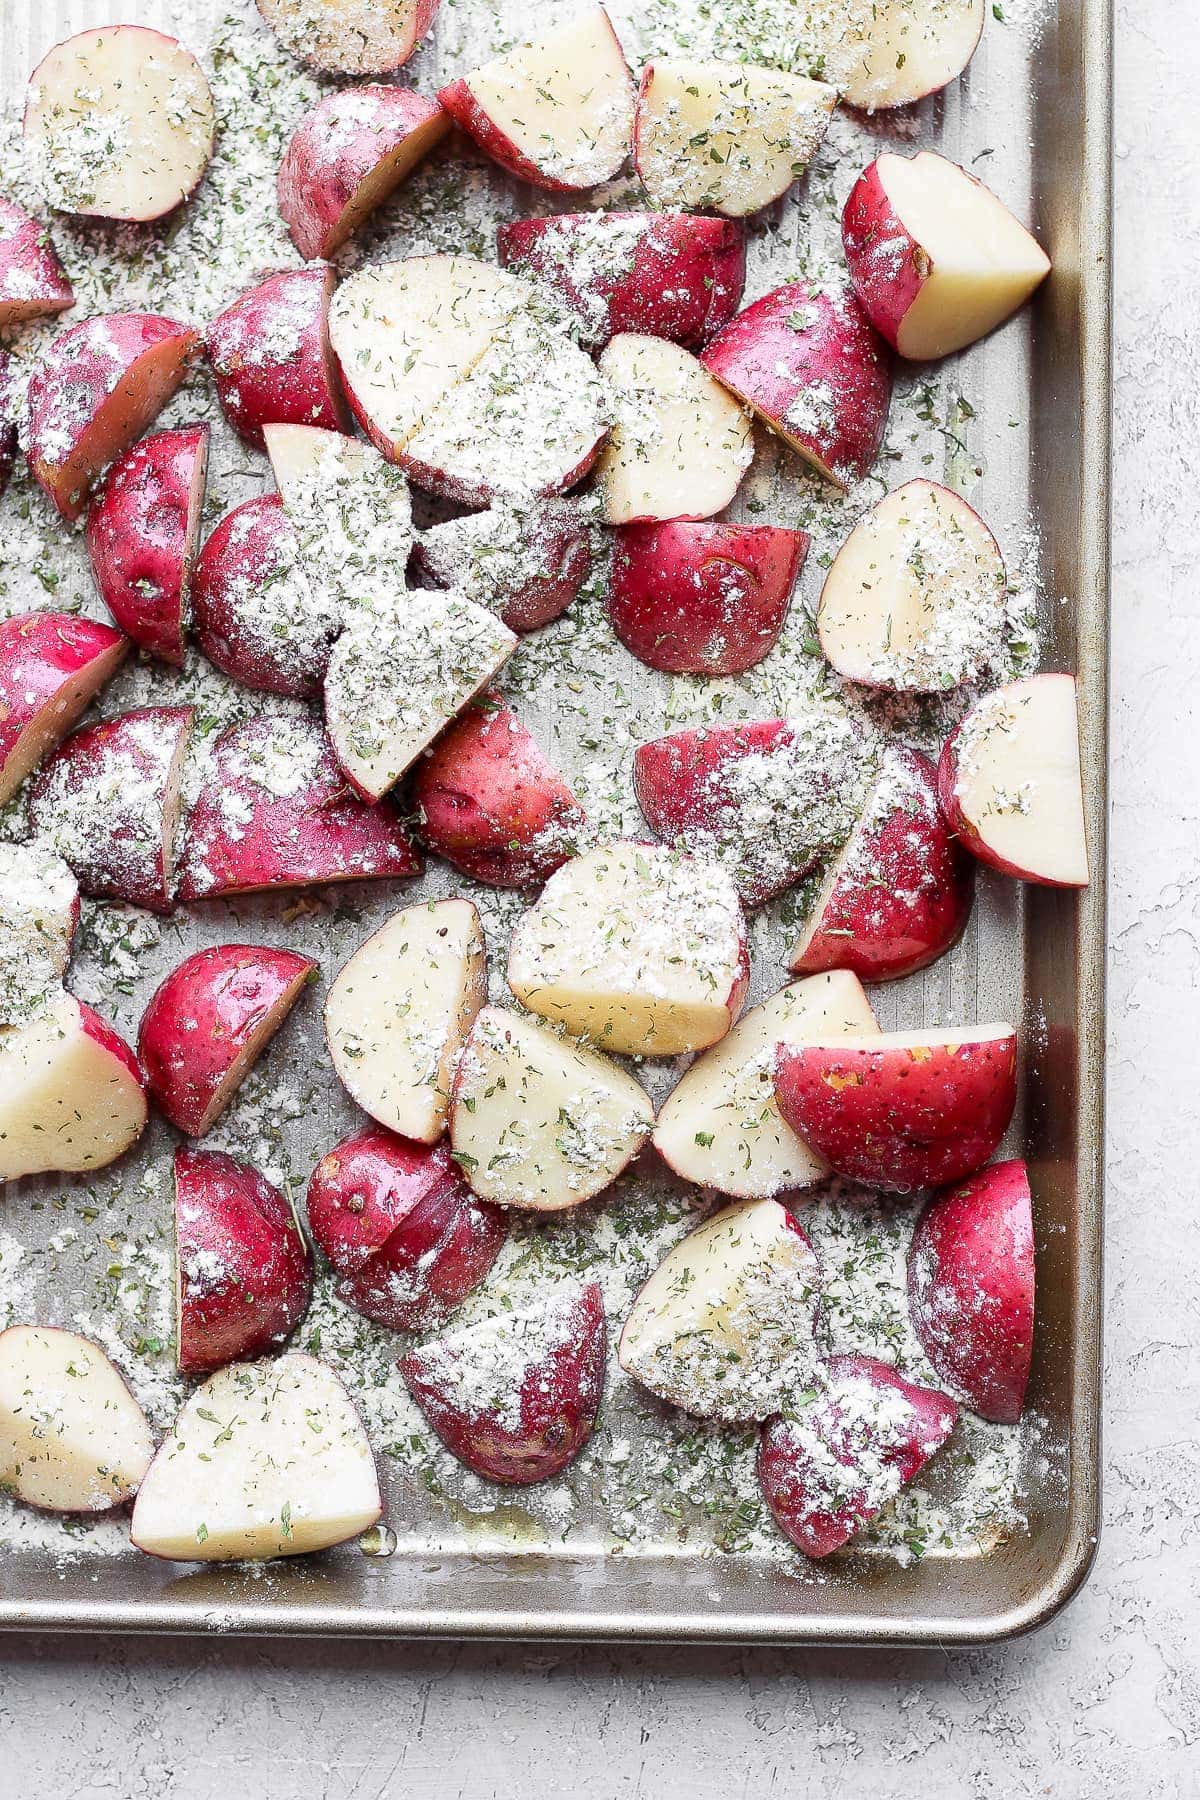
(1031,451)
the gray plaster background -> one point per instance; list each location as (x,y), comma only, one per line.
(1105,1702)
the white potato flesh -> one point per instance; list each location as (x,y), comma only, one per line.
(638,947)
(1017,778)
(72,1436)
(564,101)
(351,512)
(265,1459)
(350,37)
(727,137)
(915,598)
(897,51)
(66,1101)
(399,1011)
(120,122)
(538,1122)
(721,1126)
(724,1327)
(405,333)
(984,264)
(680,444)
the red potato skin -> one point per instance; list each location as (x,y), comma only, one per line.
(27,254)
(887,267)
(126,365)
(971,1289)
(491,804)
(896,1118)
(229,1213)
(559,1402)
(402,1228)
(102,1033)
(141,536)
(686,281)
(205,1017)
(797,343)
(792,1488)
(907,898)
(330,156)
(41,655)
(300,386)
(700,598)
(249,544)
(8,425)
(322,834)
(568,538)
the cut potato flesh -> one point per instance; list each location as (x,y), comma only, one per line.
(538,1122)
(66,1101)
(398,1013)
(120,122)
(637,947)
(721,1126)
(724,1327)
(1018,779)
(726,137)
(915,598)
(984,264)
(265,1459)
(901,50)
(72,1436)
(680,444)
(351,513)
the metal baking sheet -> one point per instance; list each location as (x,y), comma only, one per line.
(1033,116)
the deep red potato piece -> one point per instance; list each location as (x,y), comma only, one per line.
(527,562)
(94,392)
(971,1289)
(271,356)
(32,280)
(904,1110)
(52,665)
(899,894)
(402,1228)
(516,1397)
(350,37)
(142,532)
(209,1021)
(347,155)
(108,802)
(671,274)
(278,813)
(490,802)
(699,598)
(814,369)
(832,1466)
(244,1275)
(8,424)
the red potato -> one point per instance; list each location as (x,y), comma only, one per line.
(278,813)
(904,1110)
(526,560)
(515,1398)
(488,801)
(971,1289)
(94,392)
(271,356)
(108,802)
(557,111)
(72,1437)
(72,1093)
(671,275)
(8,423)
(142,532)
(814,369)
(1010,782)
(32,280)
(894,52)
(52,666)
(208,1023)
(937,261)
(243,1270)
(766,800)
(350,37)
(256,613)
(701,598)
(408,1238)
(120,123)
(39,906)
(899,894)
(347,155)
(830,1466)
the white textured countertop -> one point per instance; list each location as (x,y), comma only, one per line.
(1106,1701)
